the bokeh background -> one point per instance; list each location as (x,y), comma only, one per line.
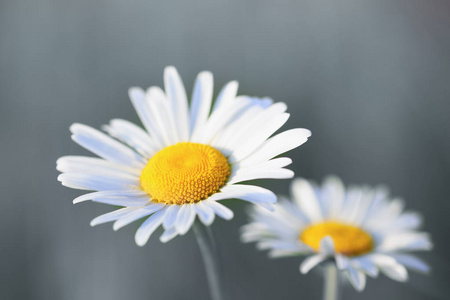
(371,79)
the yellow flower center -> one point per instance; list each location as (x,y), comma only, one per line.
(185,173)
(348,240)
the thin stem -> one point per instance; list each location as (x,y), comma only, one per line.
(210,257)
(331,286)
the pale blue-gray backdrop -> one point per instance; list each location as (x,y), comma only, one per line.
(369,78)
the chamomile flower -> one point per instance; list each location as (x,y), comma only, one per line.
(187,159)
(360,228)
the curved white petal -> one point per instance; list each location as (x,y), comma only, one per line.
(168,235)
(395,272)
(251,193)
(221,210)
(185,218)
(333,191)
(112,216)
(356,278)
(171,216)
(92,165)
(117,193)
(105,146)
(306,199)
(226,95)
(263,174)
(366,265)
(201,101)
(255,138)
(148,227)
(277,145)
(410,241)
(326,245)
(225,138)
(137,214)
(221,117)
(177,97)
(133,136)
(123,201)
(411,262)
(97,183)
(342,262)
(408,221)
(205,213)
(163,116)
(310,262)
(256,118)
(142,107)
(270,169)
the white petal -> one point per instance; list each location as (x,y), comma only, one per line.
(342,262)
(92,165)
(257,117)
(123,194)
(327,245)
(306,199)
(221,117)
(104,146)
(408,221)
(111,216)
(276,253)
(221,210)
(205,213)
(177,96)
(185,218)
(148,227)
(132,135)
(201,101)
(411,241)
(171,216)
(381,260)
(123,201)
(310,262)
(137,214)
(395,272)
(356,278)
(278,144)
(277,244)
(271,169)
(333,194)
(142,107)
(96,183)
(163,116)
(366,265)
(168,235)
(226,95)
(255,138)
(226,138)
(249,193)
(263,174)
(268,206)
(411,262)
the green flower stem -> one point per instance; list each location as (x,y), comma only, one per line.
(210,257)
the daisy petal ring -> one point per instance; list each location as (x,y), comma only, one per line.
(187,159)
(360,229)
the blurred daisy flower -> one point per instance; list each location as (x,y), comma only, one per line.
(188,158)
(360,228)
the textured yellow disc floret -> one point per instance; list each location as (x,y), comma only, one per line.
(348,240)
(185,173)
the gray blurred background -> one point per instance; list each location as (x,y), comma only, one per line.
(369,78)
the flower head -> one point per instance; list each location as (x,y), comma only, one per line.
(188,158)
(360,228)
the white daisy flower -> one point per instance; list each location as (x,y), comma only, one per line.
(360,228)
(188,158)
